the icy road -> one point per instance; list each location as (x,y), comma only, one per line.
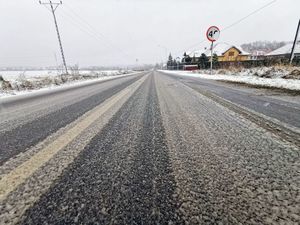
(151,148)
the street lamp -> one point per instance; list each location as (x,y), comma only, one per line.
(165,49)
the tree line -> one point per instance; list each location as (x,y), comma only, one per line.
(202,62)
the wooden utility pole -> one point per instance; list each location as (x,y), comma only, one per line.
(53,7)
(295,43)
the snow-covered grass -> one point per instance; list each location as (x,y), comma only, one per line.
(279,71)
(13,75)
(277,78)
(12,84)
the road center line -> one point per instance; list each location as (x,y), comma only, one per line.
(12,180)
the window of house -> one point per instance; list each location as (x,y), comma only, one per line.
(231,53)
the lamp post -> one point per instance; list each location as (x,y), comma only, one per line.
(165,49)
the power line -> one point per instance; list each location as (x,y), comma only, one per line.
(234,23)
(94,31)
(191,46)
(84,21)
(252,13)
(78,26)
(81,27)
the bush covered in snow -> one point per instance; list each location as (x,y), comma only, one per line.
(4,84)
(23,83)
(286,72)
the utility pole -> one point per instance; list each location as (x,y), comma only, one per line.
(295,43)
(53,7)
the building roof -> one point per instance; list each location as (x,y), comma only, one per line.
(222,47)
(286,49)
(219,49)
(195,53)
(259,53)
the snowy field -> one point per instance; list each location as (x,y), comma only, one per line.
(13,75)
(31,82)
(275,82)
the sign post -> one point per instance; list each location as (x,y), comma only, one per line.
(212,34)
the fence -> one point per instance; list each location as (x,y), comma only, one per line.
(244,64)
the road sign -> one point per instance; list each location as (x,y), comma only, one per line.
(213,33)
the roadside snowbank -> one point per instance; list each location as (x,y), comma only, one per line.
(23,85)
(275,82)
(14,75)
(279,71)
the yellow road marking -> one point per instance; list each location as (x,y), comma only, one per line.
(12,180)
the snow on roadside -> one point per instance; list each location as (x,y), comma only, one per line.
(14,75)
(52,86)
(290,84)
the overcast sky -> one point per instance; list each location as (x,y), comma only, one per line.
(117,32)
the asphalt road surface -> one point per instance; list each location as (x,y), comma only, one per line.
(151,148)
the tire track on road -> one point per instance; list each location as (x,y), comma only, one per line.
(290,135)
(20,188)
(21,138)
(123,176)
(228,170)
(283,130)
(23,109)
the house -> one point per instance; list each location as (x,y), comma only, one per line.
(285,51)
(229,53)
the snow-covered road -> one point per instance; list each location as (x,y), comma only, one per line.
(148,149)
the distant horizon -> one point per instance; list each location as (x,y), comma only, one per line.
(96,67)
(56,67)
(36,68)
(134,32)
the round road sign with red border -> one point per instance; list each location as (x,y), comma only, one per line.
(213,33)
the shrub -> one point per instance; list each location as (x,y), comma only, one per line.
(6,85)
